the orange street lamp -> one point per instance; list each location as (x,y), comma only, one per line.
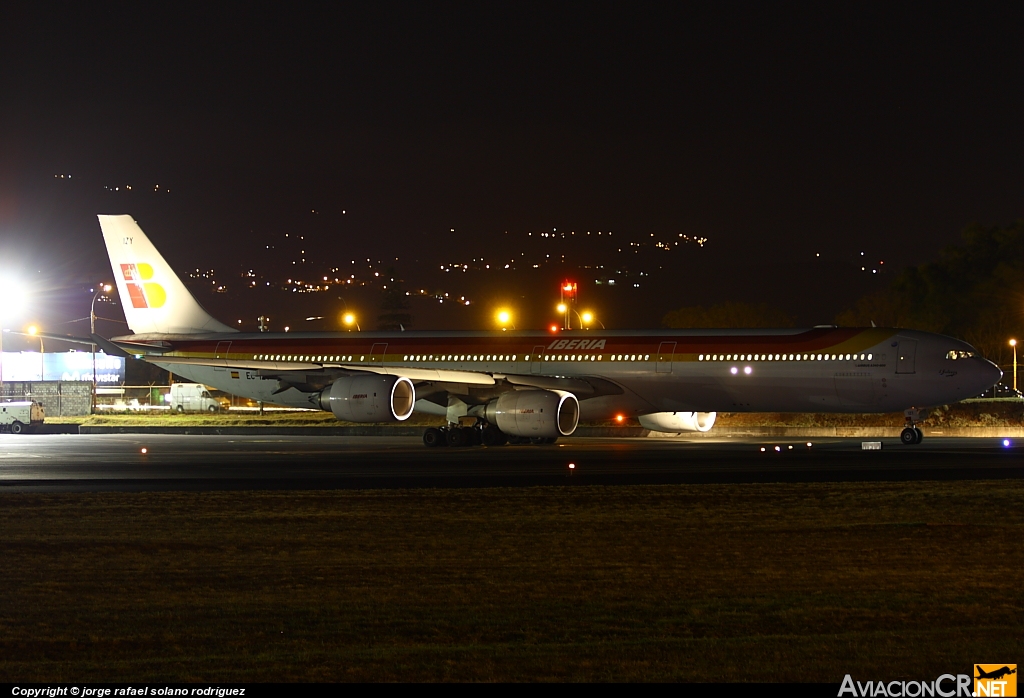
(103,288)
(1013,343)
(504,318)
(350,319)
(34,331)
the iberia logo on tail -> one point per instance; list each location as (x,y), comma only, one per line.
(143,292)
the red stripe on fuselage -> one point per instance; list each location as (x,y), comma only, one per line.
(810,341)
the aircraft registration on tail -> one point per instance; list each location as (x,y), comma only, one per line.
(532,386)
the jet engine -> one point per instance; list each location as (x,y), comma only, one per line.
(678,421)
(535,413)
(369,398)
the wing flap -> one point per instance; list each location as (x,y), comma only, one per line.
(416,374)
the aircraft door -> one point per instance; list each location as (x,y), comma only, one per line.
(221,353)
(665,352)
(906,354)
(377,353)
(536,359)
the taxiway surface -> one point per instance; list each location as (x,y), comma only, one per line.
(130,462)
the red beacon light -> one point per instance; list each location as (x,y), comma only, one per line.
(553,328)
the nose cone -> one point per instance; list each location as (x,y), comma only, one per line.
(988,375)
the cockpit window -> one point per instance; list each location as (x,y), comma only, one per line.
(958,354)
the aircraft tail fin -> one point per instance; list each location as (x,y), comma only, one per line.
(153,297)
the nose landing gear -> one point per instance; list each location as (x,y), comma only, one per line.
(912,435)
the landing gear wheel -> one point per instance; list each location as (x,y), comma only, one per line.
(920,435)
(17,428)
(910,436)
(492,436)
(434,437)
(460,436)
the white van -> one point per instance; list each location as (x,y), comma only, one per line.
(192,397)
(19,417)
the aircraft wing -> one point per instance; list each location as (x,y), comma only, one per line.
(119,348)
(275,368)
(582,387)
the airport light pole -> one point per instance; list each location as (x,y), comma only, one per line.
(568,291)
(103,288)
(13,295)
(34,331)
(1013,343)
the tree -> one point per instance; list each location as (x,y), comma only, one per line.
(726,315)
(973,291)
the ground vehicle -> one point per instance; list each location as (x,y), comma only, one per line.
(192,397)
(19,417)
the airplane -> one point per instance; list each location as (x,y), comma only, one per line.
(994,674)
(534,386)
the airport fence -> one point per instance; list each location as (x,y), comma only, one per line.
(58,398)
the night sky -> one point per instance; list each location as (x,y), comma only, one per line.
(778,132)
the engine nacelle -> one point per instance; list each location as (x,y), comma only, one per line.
(537,413)
(369,398)
(678,421)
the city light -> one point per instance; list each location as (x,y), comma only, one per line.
(587,317)
(504,318)
(349,319)
(561,307)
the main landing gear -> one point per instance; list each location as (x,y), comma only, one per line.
(481,433)
(912,435)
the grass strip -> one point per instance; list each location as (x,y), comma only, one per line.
(777,582)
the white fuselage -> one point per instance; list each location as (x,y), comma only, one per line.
(815,370)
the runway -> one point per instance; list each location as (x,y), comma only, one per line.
(176,462)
